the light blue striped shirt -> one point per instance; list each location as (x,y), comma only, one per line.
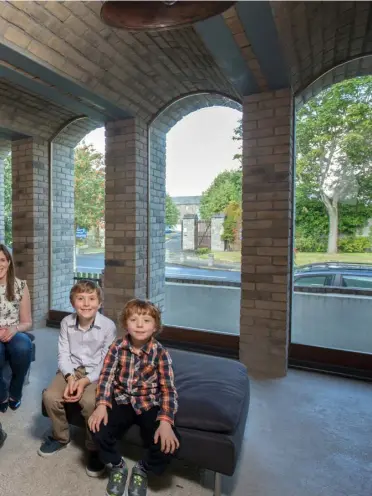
(79,348)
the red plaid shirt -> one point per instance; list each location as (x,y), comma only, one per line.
(143,380)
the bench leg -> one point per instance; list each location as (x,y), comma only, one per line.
(217,484)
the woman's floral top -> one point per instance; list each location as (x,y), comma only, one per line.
(9,310)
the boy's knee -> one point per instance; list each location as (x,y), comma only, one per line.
(51,397)
(88,405)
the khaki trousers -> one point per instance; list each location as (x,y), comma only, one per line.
(55,407)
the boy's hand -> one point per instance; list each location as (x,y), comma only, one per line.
(99,415)
(75,389)
(168,439)
(70,387)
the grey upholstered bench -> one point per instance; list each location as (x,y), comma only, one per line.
(213,409)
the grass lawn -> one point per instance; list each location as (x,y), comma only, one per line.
(306,258)
(225,256)
(301,258)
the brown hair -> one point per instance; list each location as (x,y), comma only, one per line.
(141,307)
(85,286)
(10,276)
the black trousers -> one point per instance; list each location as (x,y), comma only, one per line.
(120,418)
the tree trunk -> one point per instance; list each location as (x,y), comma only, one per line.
(332,210)
(97,236)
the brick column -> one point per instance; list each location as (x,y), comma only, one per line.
(63,235)
(267,232)
(157,162)
(125,213)
(2,205)
(4,151)
(30,220)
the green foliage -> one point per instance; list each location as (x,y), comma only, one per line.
(89,187)
(226,188)
(238,136)
(233,213)
(311,244)
(171,212)
(334,148)
(8,200)
(312,219)
(350,244)
(202,251)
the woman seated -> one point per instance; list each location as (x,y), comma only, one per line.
(15,320)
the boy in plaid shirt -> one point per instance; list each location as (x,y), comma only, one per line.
(136,385)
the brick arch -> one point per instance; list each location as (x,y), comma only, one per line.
(5,148)
(361,66)
(74,130)
(176,110)
(25,113)
(320,36)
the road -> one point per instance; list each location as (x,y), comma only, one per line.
(94,264)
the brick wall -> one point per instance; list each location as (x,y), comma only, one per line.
(63,238)
(125,213)
(267,232)
(30,220)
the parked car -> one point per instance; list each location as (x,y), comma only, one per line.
(168,230)
(335,274)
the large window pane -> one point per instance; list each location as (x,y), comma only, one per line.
(333,237)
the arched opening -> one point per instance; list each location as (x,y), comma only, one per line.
(192,264)
(333,264)
(64,233)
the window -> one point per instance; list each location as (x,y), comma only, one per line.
(311,281)
(352,281)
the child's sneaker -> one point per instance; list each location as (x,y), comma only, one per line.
(95,468)
(117,480)
(138,482)
(51,446)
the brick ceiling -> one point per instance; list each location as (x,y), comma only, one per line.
(63,54)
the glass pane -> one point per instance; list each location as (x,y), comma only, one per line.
(202,249)
(333,219)
(362,282)
(311,281)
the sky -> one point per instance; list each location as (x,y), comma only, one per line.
(199,147)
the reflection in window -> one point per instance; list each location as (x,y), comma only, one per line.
(311,281)
(362,282)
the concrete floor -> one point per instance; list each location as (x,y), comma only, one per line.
(307,435)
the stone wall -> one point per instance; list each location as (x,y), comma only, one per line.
(217,243)
(267,232)
(190,232)
(63,235)
(30,220)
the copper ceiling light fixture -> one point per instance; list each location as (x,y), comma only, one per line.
(159,16)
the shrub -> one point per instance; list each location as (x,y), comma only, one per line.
(202,251)
(311,244)
(350,244)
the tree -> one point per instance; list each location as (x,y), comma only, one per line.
(233,213)
(8,200)
(171,212)
(89,188)
(334,148)
(238,136)
(226,188)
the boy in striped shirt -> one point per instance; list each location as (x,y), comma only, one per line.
(136,385)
